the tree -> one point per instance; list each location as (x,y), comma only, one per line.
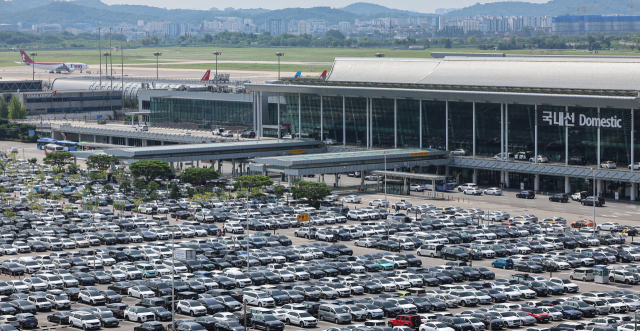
(150,169)
(16,109)
(100,161)
(447,43)
(125,187)
(58,159)
(4,109)
(174,192)
(198,176)
(32,161)
(95,175)
(279,191)
(252,181)
(73,169)
(472,40)
(334,34)
(313,191)
(108,189)
(140,184)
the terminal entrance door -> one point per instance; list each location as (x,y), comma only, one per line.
(516,178)
(488,178)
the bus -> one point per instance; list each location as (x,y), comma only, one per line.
(42,142)
(447,184)
(69,145)
(53,148)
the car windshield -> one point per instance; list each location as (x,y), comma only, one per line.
(270,318)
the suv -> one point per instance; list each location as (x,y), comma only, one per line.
(588,201)
(142,128)
(84,320)
(562,197)
(526,195)
(248,134)
(412,321)
(41,303)
(258,298)
(454,253)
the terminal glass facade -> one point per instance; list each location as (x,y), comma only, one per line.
(200,113)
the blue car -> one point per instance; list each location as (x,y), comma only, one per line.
(503,262)
(569,312)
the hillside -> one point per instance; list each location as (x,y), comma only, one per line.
(368,9)
(554,8)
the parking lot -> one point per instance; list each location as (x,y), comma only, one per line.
(465,228)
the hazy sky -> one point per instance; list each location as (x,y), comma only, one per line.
(424,6)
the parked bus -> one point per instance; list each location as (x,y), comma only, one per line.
(447,184)
(53,148)
(43,142)
(70,145)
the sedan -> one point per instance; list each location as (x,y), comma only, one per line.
(472,191)
(60,317)
(493,191)
(608,165)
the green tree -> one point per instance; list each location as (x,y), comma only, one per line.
(58,159)
(279,191)
(313,191)
(32,161)
(16,109)
(100,161)
(252,181)
(198,176)
(140,184)
(447,43)
(95,175)
(73,169)
(334,34)
(174,192)
(125,187)
(4,109)
(472,40)
(150,169)
(108,189)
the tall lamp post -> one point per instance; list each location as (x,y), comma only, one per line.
(593,172)
(279,55)
(33,65)
(385,186)
(157,55)
(173,286)
(106,63)
(216,53)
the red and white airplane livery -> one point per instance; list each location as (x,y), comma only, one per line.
(52,66)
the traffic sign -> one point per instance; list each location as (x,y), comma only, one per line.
(302,218)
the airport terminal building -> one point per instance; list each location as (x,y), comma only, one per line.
(577,113)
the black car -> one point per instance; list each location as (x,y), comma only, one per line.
(454,253)
(149,326)
(117,309)
(457,323)
(107,318)
(229,326)
(208,322)
(12,269)
(120,287)
(60,317)
(212,305)
(388,308)
(526,195)
(248,134)
(111,296)
(266,322)
(589,201)
(388,245)
(162,314)
(561,197)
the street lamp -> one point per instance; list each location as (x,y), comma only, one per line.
(33,65)
(173,286)
(216,53)
(157,55)
(593,171)
(279,54)
(385,186)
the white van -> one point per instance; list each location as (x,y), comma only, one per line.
(142,128)
(14,149)
(432,250)
(584,274)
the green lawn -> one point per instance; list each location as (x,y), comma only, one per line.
(173,54)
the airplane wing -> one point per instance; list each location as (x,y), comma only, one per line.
(62,67)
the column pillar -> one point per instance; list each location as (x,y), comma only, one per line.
(420,119)
(279,133)
(126,141)
(362,178)
(474,131)
(536,183)
(322,178)
(336,179)
(289,180)
(632,193)
(598,186)
(501,132)
(506,177)
(299,116)
(233,167)
(344,123)
(220,167)
(567,185)
(321,121)
(535,137)
(447,170)
(474,176)
(94,138)
(446,124)
(377,183)
(598,142)
(404,186)
(566,144)
(161,142)
(368,119)
(395,122)
(433,187)
(198,164)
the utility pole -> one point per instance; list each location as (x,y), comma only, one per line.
(110,74)
(121,70)
(33,65)
(100,55)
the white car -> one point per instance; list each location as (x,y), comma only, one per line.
(227,134)
(472,191)
(366,242)
(300,318)
(84,320)
(466,186)
(379,203)
(493,191)
(330,142)
(460,152)
(140,292)
(191,307)
(258,298)
(608,165)
(139,314)
(636,166)
(351,199)
(91,297)
(540,159)
(434,326)
(131,271)
(608,226)
(416,187)
(185,133)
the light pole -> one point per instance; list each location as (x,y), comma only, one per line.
(106,63)
(216,53)
(33,65)
(279,55)
(593,171)
(157,55)
(385,187)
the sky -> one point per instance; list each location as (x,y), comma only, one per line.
(423,6)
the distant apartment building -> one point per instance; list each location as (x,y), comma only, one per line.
(471,24)
(275,27)
(495,24)
(176,29)
(304,28)
(44,28)
(568,25)
(317,26)
(344,26)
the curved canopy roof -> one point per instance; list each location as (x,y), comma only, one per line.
(580,74)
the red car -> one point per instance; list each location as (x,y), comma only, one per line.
(412,321)
(540,315)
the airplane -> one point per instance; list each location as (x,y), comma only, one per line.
(52,66)
(323,75)
(298,74)
(205,78)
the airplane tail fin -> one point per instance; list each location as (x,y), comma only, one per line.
(323,76)
(25,57)
(298,74)
(205,78)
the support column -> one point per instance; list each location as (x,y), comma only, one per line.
(94,138)
(420,125)
(567,185)
(377,183)
(535,137)
(632,193)
(474,131)
(536,183)
(632,141)
(198,164)
(336,179)
(220,167)
(433,187)
(344,122)
(126,141)
(446,124)
(404,186)
(322,178)
(447,170)
(566,143)
(279,133)
(395,122)
(506,131)
(233,167)
(371,123)
(367,124)
(598,142)
(598,186)
(161,141)
(299,116)
(506,177)
(289,180)
(501,131)
(474,176)
(362,178)
(321,121)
